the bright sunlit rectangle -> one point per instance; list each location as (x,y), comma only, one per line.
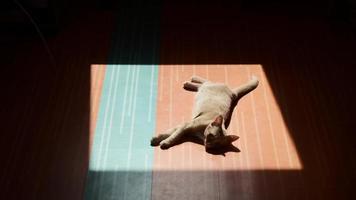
(265,141)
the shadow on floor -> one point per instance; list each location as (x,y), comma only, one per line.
(310,67)
(45,109)
(251,184)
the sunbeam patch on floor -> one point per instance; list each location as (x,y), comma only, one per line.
(131,103)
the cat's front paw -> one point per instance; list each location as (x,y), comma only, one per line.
(164,145)
(155,141)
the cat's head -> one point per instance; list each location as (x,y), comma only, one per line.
(216,136)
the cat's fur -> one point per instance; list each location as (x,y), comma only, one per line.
(214,104)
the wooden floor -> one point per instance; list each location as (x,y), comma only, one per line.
(118,146)
(188,172)
(297,133)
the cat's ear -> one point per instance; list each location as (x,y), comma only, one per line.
(228,139)
(218,121)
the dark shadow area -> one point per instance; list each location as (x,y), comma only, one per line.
(309,60)
(136,35)
(45,109)
(224,150)
(212,184)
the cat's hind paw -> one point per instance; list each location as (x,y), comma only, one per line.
(197,79)
(254,81)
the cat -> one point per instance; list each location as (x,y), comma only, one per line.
(214,104)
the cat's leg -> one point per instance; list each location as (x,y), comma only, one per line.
(197,79)
(246,88)
(157,139)
(175,136)
(194,84)
(191,86)
(199,138)
(195,125)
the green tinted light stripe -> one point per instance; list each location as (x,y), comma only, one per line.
(121,158)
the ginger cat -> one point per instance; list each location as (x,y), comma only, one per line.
(214,104)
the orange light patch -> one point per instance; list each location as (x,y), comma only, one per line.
(264,141)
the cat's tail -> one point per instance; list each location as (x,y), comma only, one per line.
(246,88)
